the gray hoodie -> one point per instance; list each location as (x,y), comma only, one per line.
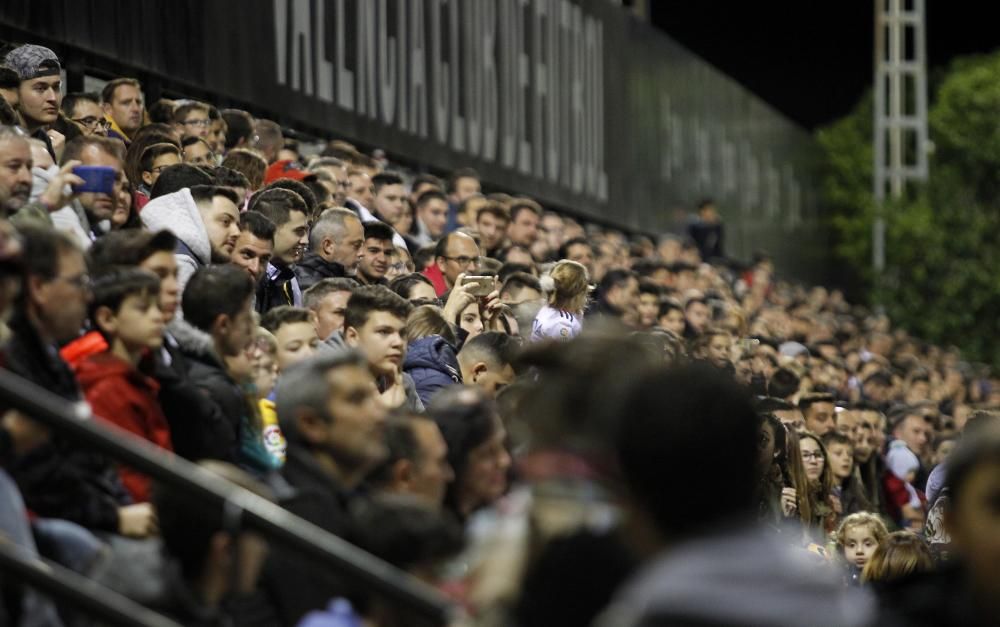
(745,577)
(179,214)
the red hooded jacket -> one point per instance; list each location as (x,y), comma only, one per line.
(121,395)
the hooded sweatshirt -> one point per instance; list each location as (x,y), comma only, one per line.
(121,395)
(432,364)
(179,214)
(744,577)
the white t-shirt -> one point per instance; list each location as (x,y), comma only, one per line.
(555,324)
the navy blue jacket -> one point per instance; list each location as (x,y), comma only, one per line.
(432,363)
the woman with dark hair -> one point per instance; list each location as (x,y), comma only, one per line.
(125,215)
(477,450)
(824,506)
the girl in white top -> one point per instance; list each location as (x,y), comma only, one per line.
(566,286)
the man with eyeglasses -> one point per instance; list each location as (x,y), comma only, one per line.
(56,479)
(455,254)
(192,119)
(85,111)
(123,107)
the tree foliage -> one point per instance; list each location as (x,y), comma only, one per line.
(942,280)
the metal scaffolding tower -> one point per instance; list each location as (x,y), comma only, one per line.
(901,143)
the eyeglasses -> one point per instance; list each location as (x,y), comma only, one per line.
(159,168)
(817,456)
(93,123)
(196,122)
(463,261)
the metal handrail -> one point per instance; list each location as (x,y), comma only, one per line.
(75,421)
(89,597)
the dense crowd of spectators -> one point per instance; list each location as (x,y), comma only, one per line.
(552,422)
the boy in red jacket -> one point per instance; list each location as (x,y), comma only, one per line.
(126,312)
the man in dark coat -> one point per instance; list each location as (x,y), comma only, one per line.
(217,302)
(57,478)
(329,411)
(335,248)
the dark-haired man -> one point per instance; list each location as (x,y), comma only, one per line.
(579,250)
(85,111)
(491,224)
(698,315)
(239,128)
(525,214)
(818,410)
(174,178)
(217,302)
(486,361)
(329,411)
(389,197)
(618,294)
(375,254)
(204,219)
(255,245)
(417,464)
(432,216)
(290,216)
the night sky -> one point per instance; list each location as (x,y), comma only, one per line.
(810,64)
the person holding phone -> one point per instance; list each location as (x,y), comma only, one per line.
(99,166)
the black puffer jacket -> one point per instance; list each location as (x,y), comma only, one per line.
(313,269)
(198,428)
(208,375)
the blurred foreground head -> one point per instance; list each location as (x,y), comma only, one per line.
(684,432)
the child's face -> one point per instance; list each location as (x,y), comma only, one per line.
(859,545)
(265,373)
(296,341)
(841,460)
(139,322)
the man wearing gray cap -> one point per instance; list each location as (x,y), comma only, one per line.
(40,91)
